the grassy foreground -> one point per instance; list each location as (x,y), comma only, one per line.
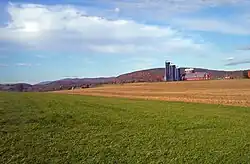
(56,128)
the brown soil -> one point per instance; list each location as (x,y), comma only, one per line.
(227,92)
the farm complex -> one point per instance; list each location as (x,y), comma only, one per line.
(172,73)
(185,85)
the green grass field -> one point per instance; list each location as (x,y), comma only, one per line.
(56,128)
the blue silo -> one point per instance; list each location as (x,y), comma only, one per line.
(167,70)
(170,73)
(178,74)
(173,72)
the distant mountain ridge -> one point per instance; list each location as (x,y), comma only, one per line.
(149,75)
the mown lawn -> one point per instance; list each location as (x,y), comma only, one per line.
(56,128)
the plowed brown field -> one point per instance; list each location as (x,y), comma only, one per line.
(227,92)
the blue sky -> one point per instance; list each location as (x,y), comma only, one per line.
(47,40)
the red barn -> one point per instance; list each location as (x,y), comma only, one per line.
(197,76)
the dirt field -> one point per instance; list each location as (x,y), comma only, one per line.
(227,92)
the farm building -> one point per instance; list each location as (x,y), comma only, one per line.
(190,74)
(197,76)
(173,73)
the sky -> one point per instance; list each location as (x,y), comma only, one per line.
(44,40)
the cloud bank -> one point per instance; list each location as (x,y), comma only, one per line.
(171,6)
(245,48)
(163,9)
(214,25)
(64,27)
(238,62)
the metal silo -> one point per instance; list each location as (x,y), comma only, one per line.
(178,74)
(167,70)
(170,73)
(173,72)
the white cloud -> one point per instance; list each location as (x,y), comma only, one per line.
(245,48)
(230,58)
(238,62)
(27,64)
(126,48)
(67,27)
(24,64)
(160,9)
(214,25)
(117,10)
(237,58)
(140,63)
(165,10)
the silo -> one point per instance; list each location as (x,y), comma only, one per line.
(165,75)
(167,70)
(170,73)
(178,74)
(173,72)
